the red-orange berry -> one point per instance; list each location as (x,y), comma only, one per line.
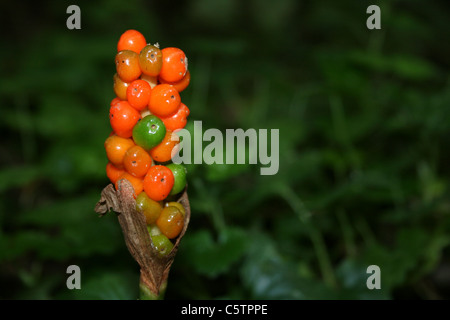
(178,120)
(158,182)
(113,173)
(164,100)
(127,65)
(114,101)
(116,147)
(174,64)
(131,40)
(138,94)
(163,151)
(123,117)
(179,85)
(137,161)
(137,183)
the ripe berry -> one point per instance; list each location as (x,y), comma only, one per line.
(131,40)
(113,173)
(150,60)
(127,65)
(170,222)
(174,65)
(168,146)
(158,182)
(178,120)
(179,174)
(114,101)
(138,94)
(179,85)
(135,182)
(162,244)
(164,100)
(116,147)
(151,209)
(123,118)
(137,161)
(120,87)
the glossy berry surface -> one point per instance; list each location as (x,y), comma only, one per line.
(123,117)
(114,101)
(116,147)
(178,120)
(149,132)
(131,40)
(168,146)
(179,85)
(164,100)
(174,65)
(138,94)
(137,161)
(151,209)
(178,205)
(162,244)
(158,182)
(150,60)
(127,65)
(170,222)
(120,87)
(179,174)
(113,173)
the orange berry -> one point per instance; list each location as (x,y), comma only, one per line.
(179,85)
(137,161)
(164,100)
(123,117)
(120,87)
(116,147)
(137,183)
(127,65)
(114,101)
(158,182)
(174,64)
(170,222)
(131,40)
(150,60)
(163,151)
(138,94)
(113,173)
(178,120)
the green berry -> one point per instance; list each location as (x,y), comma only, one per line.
(148,207)
(162,244)
(179,174)
(149,132)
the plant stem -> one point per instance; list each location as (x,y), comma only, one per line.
(146,294)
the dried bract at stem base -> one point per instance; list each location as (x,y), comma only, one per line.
(154,268)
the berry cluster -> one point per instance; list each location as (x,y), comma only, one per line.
(144,116)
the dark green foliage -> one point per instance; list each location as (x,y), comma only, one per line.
(364,150)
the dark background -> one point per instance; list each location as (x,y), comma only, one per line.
(364,149)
